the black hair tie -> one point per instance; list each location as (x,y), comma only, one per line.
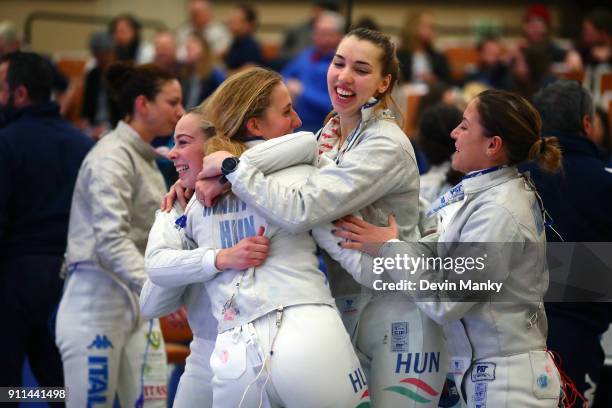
(542,145)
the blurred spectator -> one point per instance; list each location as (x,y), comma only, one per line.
(164,44)
(244,51)
(492,69)
(200,76)
(437,122)
(297,38)
(419,60)
(125,29)
(530,70)
(537,34)
(306,75)
(366,22)
(10,42)
(201,21)
(596,38)
(601,135)
(40,156)
(96,115)
(578,200)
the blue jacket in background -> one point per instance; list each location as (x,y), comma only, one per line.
(40,157)
(313,105)
(579,200)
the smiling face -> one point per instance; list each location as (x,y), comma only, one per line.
(188,150)
(279,118)
(471,144)
(355,75)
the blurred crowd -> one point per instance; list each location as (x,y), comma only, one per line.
(203,51)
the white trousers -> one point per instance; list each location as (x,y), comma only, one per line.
(105,349)
(523,380)
(304,361)
(402,351)
(195,388)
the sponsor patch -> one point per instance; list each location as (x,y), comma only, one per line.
(449,397)
(154,338)
(483,372)
(542,381)
(480,392)
(399,337)
(100,342)
(457,366)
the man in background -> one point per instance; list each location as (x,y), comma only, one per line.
(579,201)
(306,75)
(40,156)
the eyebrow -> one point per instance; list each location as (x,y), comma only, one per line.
(466,120)
(183,135)
(356,62)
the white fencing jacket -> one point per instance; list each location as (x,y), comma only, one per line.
(289,276)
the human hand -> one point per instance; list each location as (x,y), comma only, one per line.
(177,192)
(249,252)
(212,164)
(362,235)
(208,190)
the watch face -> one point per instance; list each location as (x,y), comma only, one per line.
(229,165)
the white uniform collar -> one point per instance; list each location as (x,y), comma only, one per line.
(475,182)
(128,133)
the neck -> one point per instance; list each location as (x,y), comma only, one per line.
(347,125)
(142,129)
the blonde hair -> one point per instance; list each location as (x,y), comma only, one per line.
(241,97)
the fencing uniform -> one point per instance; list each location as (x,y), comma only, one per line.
(374,172)
(497,346)
(194,387)
(278,326)
(106,346)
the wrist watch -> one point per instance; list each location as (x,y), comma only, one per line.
(229,165)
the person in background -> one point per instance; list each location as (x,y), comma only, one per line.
(306,74)
(244,51)
(530,70)
(537,33)
(201,21)
(125,29)
(297,38)
(419,60)
(437,123)
(492,69)
(579,203)
(596,39)
(602,135)
(96,117)
(101,335)
(10,41)
(40,155)
(164,44)
(200,76)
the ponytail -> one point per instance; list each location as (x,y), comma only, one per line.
(545,152)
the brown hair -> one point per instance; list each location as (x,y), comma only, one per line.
(518,123)
(388,61)
(241,97)
(127,82)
